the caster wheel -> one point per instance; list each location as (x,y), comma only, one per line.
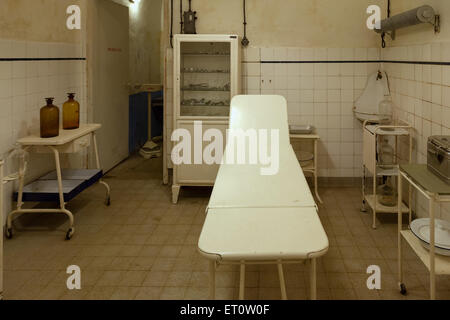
(363,208)
(403,289)
(69,234)
(8,233)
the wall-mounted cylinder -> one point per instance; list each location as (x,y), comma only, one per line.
(423,14)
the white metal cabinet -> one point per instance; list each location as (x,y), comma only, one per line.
(206,78)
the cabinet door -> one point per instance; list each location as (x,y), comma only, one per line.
(199,174)
(204,78)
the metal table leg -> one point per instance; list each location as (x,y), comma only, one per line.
(242,282)
(282,282)
(316,186)
(313,279)
(97,160)
(212,280)
(399,237)
(22,170)
(62,203)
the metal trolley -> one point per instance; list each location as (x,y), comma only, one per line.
(435,191)
(371,164)
(61,185)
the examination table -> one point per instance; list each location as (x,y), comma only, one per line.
(262,219)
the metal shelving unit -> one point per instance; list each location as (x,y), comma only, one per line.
(435,191)
(371,164)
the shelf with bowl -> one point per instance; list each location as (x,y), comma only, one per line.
(435,191)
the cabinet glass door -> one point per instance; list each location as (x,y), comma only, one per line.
(205,79)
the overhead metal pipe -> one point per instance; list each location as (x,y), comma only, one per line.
(423,14)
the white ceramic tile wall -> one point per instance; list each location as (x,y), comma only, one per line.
(421,96)
(321,94)
(318,93)
(25,84)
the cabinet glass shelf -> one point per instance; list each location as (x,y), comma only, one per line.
(205,54)
(206,72)
(205,89)
(205,76)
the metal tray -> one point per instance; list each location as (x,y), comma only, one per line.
(301,129)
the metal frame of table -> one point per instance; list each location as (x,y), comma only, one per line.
(428,258)
(372,166)
(53,145)
(314,169)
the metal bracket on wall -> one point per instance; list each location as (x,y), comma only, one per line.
(437,23)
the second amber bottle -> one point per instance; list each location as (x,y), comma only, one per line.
(71,113)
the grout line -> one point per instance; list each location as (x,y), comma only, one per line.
(42,59)
(362,61)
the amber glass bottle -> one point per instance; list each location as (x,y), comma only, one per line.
(71,113)
(49,120)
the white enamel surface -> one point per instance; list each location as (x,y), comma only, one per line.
(421,228)
(65,136)
(263,234)
(256,217)
(242,185)
(375,92)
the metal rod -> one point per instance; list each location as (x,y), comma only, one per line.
(282,282)
(212,280)
(399,229)
(59,175)
(432,252)
(313,280)
(242,282)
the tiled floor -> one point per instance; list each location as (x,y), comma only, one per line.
(143,247)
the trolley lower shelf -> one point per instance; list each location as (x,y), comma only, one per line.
(442,263)
(74,181)
(370,199)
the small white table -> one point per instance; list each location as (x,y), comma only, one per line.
(68,141)
(314,168)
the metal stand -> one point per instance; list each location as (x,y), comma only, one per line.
(213,264)
(435,264)
(372,165)
(315,168)
(62,203)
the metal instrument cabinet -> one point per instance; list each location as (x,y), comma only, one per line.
(206,78)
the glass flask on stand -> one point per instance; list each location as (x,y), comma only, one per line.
(71,113)
(49,120)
